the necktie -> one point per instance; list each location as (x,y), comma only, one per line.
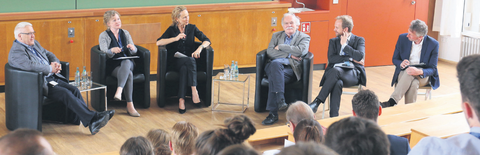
(39,57)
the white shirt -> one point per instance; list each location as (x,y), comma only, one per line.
(416,53)
(463,144)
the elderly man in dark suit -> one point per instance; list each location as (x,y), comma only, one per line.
(27,54)
(285,53)
(345,65)
(415,59)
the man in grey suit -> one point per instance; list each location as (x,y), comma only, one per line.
(285,53)
(27,54)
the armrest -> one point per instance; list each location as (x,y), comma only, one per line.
(143,63)
(65,70)
(98,65)
(260,66)
(307,75)
(205,62)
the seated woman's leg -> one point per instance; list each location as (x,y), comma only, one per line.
(122,74)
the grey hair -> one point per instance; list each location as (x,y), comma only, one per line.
(19,26)
(419,27)
(296,19)
(298,111)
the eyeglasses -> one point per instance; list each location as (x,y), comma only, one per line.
(29,33)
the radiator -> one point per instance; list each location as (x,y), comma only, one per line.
(470,46)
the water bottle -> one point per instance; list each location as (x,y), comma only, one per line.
(232,69)
(236,69)
(84,77)
(77,78)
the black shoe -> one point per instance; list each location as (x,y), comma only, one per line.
(98,122)
(182,111)
(314,105)
(271,119)
(390,103)
(282,105)
(199,104)
(110,113)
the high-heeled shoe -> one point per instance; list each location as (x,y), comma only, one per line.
(199,104)
(182,111)
(136,114)
(117,98)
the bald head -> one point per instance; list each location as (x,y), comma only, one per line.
(25,142)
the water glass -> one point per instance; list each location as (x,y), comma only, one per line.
(226,71)
(90,80)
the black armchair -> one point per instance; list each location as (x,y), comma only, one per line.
(299,90)
(167,76)
(141,78)
(25,104)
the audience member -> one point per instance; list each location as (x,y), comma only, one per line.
(137,146)
(346,53)
(116,42)
(27,54)
(366,105)
(238,149)
(357,136)
(182,141)
(179,38)
(160,140)
(468,72)
(285,52)
(307,148)
(25,142)
(308,130)
(297,112)
(236,131)
(415,59)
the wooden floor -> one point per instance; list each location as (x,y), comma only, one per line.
(72,139)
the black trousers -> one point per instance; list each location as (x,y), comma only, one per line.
(278,75)
(336,79)
(71,97)
(187,70)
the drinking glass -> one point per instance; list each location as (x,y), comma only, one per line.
(89,79)
(226,71)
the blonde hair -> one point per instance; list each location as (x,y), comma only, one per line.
(159,139)
(183,138)
(108,15)
(176,13)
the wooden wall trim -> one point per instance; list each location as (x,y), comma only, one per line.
(140,10)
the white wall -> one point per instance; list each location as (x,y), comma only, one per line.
(450,48)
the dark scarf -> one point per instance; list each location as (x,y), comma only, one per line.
(111,63)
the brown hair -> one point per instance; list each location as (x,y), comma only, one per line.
(183,137)
(159,139)
(307,148)
(236,131)
(137,146)
(176,13)
(347,21)
(24,141)
(108,15)
(238,149)
(308,130)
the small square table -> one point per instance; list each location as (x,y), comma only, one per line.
(95,86)
(242,79)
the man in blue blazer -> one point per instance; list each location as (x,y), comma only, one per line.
(365,104)
(415,59)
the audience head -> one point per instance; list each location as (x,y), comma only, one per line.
(137,146)
(183,138)
(308,130)
(345,24)
(111,17)
(238,149)
(418,27)
(290,23)
(365,104)
(24,33)
(468,70)
(25,142)
(307,148)
(357,136)
(236,131)
(298,111)
(180,16)
(159,139)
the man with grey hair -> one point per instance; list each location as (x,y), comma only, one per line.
(296,112)
(25,142)
(415,59)
(285,53)
(345,65)
(27,54)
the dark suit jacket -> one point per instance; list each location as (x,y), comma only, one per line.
(429,56)
(355,49)
(21,58)
(398,145)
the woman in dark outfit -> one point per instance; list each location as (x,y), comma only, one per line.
(180,37)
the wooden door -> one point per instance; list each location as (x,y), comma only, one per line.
(380,22)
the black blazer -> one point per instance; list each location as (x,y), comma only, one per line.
(355,49)
(398,145)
